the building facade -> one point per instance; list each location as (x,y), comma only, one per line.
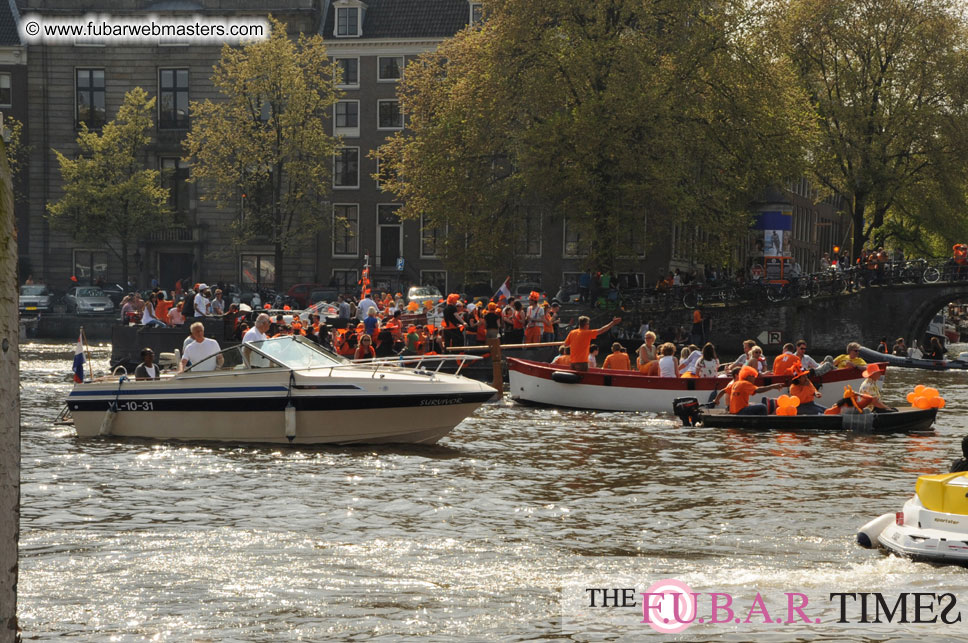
(13,104)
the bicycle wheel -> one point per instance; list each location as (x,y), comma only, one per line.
(776,294)
(691,299)
(931,275)
(909,276)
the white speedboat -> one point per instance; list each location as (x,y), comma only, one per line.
(282,390)
(933,525)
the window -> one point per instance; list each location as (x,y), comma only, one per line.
(174,176)
(434,278)
(528,241)
(575,244)
(388,114)
(347,118)
(389,68)
(257,270)
(346,230)
(346,168)
(529,278)
(430,239)
(6,91)
(346,280)
(173,98)
(89,266)
(90,98)
(476,13)
(351,72)
(347,21)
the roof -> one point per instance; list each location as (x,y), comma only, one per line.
(407,18)
(9,21)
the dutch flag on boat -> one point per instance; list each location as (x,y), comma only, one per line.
(78,367)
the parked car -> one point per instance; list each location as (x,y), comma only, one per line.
(35,298)
(87,300)
(300,293)
(420,294)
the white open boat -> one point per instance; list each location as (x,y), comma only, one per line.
(282,390)
(933,525)
(610,390)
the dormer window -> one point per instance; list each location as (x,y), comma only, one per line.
(477,13)
(349,18)
(348,21)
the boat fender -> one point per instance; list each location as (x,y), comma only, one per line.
(107,422)
(861,422)
(566,377)
(290,412)
(290,421)
(867,536)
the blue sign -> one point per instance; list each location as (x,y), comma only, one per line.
(400,264)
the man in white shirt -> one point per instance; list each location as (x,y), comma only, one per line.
(199,349)
(202,303)
(805,360)
(364,306)
(256,334)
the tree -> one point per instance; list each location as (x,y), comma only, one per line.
(109,196)
(606,112)
(889,82)
(263,148)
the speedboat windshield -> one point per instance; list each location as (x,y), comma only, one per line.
(280,352)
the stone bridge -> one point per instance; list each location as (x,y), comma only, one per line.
(827,323)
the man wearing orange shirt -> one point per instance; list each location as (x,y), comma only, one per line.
(581,338)
(743,388)
(618,360)
(786,363)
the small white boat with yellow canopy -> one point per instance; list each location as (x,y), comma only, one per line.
(933,525)
(283,390)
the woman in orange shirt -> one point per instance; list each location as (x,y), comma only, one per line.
(801,387)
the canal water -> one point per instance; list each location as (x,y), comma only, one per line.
(496,533)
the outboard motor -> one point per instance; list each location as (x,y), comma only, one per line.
(686,409)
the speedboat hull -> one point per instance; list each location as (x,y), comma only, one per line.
(609,390)
(356,406)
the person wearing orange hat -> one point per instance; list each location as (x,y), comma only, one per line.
(872,375)
(802,388)
(534,319)
(743,388)
(453,321)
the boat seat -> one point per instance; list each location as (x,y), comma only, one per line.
(947,492)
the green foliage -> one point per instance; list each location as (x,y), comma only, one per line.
(16,151)
(109,197)
(265,138)
(889,81)
(602,112)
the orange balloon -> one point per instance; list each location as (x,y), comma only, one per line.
(923,402)
(786,410)
(794,401)
(930,392)
(783,400)
(911,397)
(919,388)
(937,402)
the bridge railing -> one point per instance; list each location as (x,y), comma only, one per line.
(830,282)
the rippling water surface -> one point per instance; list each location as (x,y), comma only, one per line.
(479,537)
